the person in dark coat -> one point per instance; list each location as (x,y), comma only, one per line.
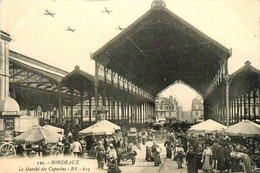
(215,150)
(66,147)
(191,161)
(168,146)
(106,142)
(227,151)
(20,151)
(221,159)
(115,142)
(199,152)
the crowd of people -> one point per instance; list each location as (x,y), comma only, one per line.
(207,152)
(210,152)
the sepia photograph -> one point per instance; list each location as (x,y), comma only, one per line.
(129,86)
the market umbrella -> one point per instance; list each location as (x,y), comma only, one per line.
(108,124)
(208,126)
(100,128)
(37,134)
(54,129)
(245,128)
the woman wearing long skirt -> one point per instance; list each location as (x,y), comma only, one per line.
(207,159)
(191,161)
(179,154)
(156,151)
(100,151)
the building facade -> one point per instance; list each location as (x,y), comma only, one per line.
(166,108)
(197,110)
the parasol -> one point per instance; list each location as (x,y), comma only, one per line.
(100,128)
(245,128)
(208,126)
(37,134)
(54,129)
(108,124)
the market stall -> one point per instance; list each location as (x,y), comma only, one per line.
(245,128)
(37,134)
(208,126)
(54,129)
(102,127)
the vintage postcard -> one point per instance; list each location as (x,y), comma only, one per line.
(128,86)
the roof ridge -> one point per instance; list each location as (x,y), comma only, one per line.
(246,66)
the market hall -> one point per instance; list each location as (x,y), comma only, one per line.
(123,89)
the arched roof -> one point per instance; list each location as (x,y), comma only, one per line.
(244,80)
(160,48)
(78,80)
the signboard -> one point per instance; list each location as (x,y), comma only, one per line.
(9,124)
(9,113)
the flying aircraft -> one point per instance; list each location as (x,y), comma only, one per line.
(107,11)
(49,13)
(70,29)
(119,28)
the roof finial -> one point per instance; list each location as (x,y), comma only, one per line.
(158,4)
(76,67)
(247,63)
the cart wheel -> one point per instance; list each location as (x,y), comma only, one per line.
(133,161)
(7,149)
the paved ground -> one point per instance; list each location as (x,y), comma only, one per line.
(141,165)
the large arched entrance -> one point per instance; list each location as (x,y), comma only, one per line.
(179,103)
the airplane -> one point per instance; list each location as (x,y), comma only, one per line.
(119,28)
(70,29)
(107,11)
(49,13)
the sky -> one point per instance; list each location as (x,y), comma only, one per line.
(232,23)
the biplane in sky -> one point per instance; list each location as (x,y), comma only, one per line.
(107,11)
(70,29)
(47,12)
